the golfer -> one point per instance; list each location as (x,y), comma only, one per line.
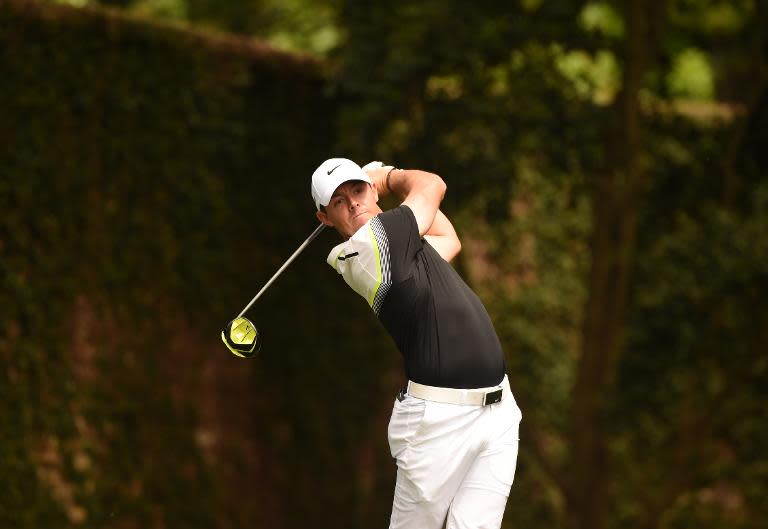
(454,428)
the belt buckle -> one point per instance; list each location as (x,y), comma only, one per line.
(492,397)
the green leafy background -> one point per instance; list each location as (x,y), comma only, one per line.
(154,172)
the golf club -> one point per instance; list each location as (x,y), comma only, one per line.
(240,335)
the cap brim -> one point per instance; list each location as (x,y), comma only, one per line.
(342,179)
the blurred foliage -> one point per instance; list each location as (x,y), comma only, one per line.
(691,75)
(603,18)
(513,105)
(694,371)
(131,174)
(294,25)
(150,183)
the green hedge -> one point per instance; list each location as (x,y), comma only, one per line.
(152,178)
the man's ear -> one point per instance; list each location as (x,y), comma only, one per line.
(322,217)
(375,192)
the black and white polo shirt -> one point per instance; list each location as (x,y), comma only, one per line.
(437,322)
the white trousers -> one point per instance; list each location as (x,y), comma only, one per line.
(454,462)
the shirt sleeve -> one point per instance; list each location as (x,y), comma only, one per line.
(363,262)
(379,254)
(403,241)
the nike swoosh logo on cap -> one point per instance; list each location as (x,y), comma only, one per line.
(332,170)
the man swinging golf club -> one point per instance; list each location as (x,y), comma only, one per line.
(454,428)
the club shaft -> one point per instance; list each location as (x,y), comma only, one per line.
(285,265)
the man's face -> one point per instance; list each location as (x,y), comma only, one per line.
(352,205)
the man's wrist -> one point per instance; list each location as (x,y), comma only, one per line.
(386,179)
(379,173)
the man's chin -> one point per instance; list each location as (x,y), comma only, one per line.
(359,222)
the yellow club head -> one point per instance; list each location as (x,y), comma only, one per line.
(241,337)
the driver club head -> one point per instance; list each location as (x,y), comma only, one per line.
(241,337)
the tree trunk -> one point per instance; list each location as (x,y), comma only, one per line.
(755,95)
(616,200)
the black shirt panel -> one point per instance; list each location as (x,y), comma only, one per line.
(439,324)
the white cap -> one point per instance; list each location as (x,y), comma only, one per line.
(330,175)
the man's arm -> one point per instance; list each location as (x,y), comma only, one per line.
(442,237)
(422,192)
